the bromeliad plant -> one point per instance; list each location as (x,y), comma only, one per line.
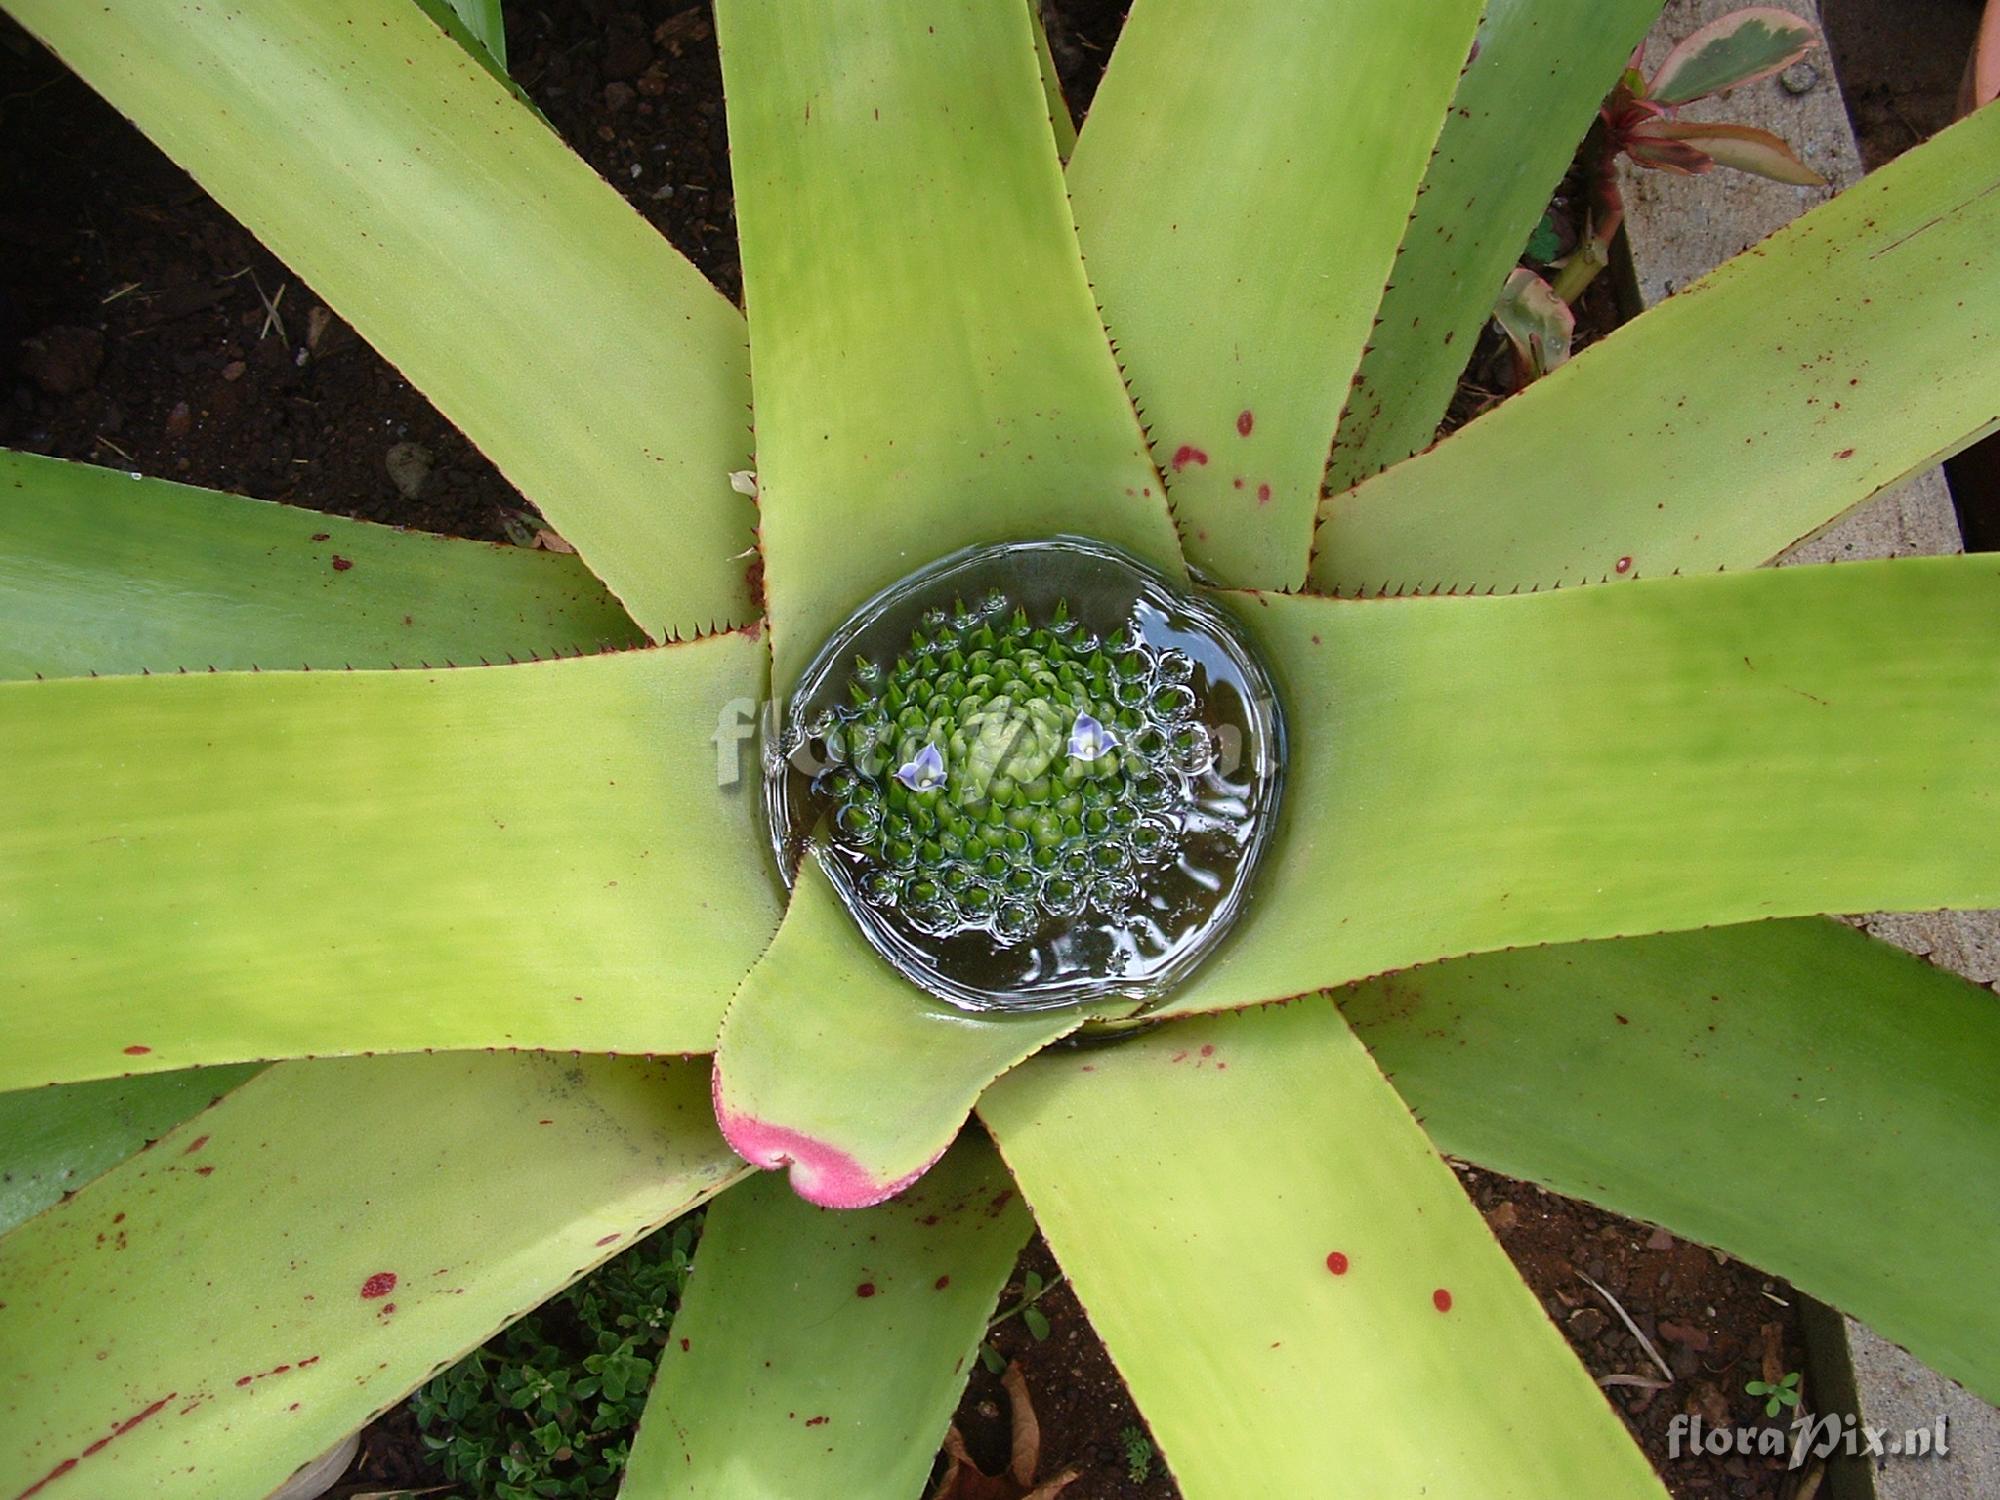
(447,895)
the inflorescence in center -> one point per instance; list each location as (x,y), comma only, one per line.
(999,774)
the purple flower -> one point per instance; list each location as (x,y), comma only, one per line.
(1089,740)
(924,772)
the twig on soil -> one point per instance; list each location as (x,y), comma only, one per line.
(1641,1382)
(272,322)
(1626,1318)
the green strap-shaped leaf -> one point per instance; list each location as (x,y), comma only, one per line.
(228,1305)
(1539,71)
(54,1140)
(1831,362)
(483,22)
(215,868)
(1815,1102)
(1241,186)
(822,1352)
(476,25)
(378,160)
(931,372)
(1290,1280)
(103,573)
(831,1063)
(1052,89)
(1468,774)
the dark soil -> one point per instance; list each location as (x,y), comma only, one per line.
(1900,63)
(391,1457)
(147,330)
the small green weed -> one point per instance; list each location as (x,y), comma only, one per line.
(1138,1453)
(1784,1393)
(1033,1288)
(545,1410)
(1545,243)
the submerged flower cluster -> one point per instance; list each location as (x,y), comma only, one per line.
(1001,774)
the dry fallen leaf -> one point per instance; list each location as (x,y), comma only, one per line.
(965,1480)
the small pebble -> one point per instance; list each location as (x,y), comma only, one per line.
(409,465)
(234,370)
(1799,78)
(1588,1323)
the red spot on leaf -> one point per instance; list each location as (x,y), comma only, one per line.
(322,536)
(379,1285)
(341,564)
(1336,1263)
(54,1474)
(1441,1299)
(195,1145)
(609,1239)
(97,1447)
(1624,565)
(135,1050)
(1845,453)
(866,1289)
(941,1283)
(816,1421)
(203,1171)
(1245,420)
(1187,454)
(684,1346)
(1263,494)
(1208,1049)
